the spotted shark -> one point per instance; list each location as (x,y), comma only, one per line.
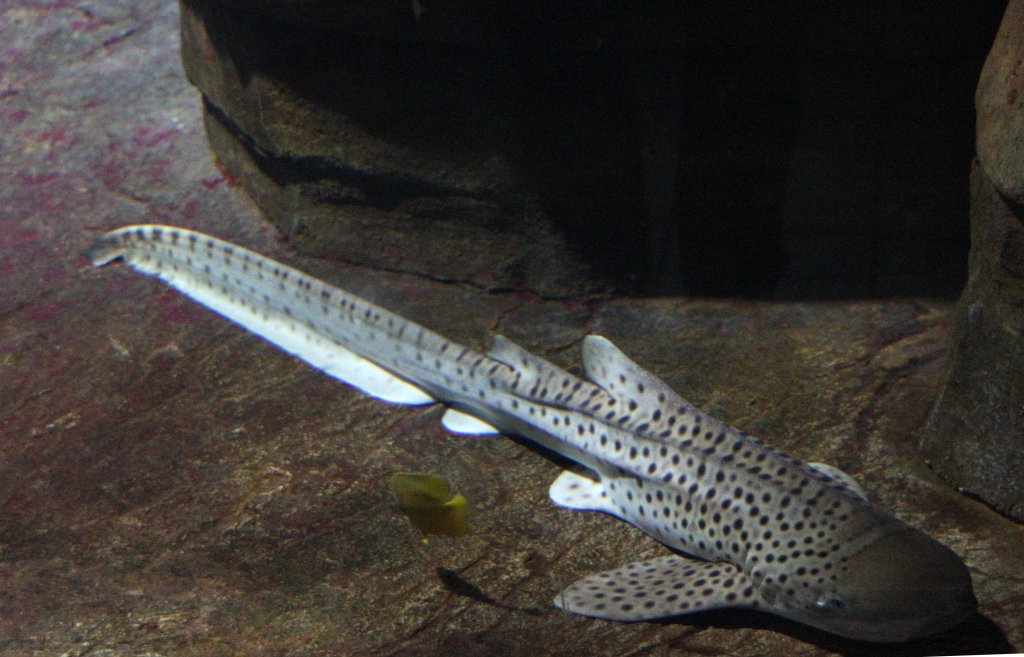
(748,525)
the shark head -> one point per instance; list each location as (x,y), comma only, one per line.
(900,585)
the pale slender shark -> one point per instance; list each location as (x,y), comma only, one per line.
(749,526)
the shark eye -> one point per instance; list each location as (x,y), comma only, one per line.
(830,602)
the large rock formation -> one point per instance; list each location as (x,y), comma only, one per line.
(975,436)
(1000,107)
(395,138)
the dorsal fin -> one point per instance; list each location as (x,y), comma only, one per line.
(608,367)
(639,395)
(516,357)
(841,477)
(537,379)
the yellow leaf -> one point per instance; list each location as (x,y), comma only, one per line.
(426,499)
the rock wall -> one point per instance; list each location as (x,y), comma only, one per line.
(719,149)
(975,435)
(395,152)
(1000,119)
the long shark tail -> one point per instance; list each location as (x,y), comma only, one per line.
(305,316)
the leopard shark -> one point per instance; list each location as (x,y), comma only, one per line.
(748,526)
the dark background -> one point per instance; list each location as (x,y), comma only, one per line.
(818,152)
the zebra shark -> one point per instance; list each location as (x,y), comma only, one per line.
(748,525)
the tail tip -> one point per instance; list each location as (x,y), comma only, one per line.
(104,250)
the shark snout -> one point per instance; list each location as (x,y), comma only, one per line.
(902,585)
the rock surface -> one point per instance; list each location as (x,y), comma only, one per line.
(975,435)
(398,154)
(1000,106)
(170,485)
(734,150)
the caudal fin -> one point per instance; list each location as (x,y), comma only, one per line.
(304,316)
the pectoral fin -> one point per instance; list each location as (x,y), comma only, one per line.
(658,588)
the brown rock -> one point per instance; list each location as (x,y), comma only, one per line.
(1000,105)
(975,435)
(397,153)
